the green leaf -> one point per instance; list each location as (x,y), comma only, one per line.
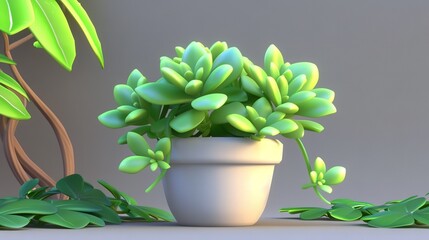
(326,188)
(273,55)
(234,94)
(122,94)
(297,84)
(309,69)
(194,87)
(287,108)
(13,221)
(163,94)
(209,102)
(422,216)
(115,192)
(51,29)
(76,205)
(27,206)
(164,145)
(140,130)
(174,78)
(187,121)
(217,48)
(15,15)
(299,133)
(134,164)
(241,123)
(409,206)
(324,93)
(269,131)
(130,200)
(259,75)
(3,58)
(74,187)
(296,210)
(193,52)
(314,213)
(205,62)
(158,213)
(137,144)
(250,86)
(231,56)
(350,202)
(135,210)
(263,107)
(108,215)
(217,77)
(345,213)
(113,119)
(272,91)
(319,165)
(301,97)
(134,78)
(94,220)
(137,117)
(316,107)
(285,126)
(11,106)
(218,116)
(8,81)
(391,219)
(27,187)
(275,117)
(85,23)
(66,219)
(335,175)
(311,125)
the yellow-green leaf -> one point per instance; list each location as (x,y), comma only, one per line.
(15,15)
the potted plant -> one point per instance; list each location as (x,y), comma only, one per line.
(214,114)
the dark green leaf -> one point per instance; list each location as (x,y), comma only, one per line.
(108,215)
(130,200)
(51,29)
(27,187)
(296,210)
(409,206)
(422,216)
(314,213)
(94,220)
(82,18)
(158,213)
(28,206)
(115,192)
(122,94)
(140,212)
(76,205)
(392,219)
(71,185)
(66,219)
(13,221)
(345,213)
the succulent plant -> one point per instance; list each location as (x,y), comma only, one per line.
(217,92)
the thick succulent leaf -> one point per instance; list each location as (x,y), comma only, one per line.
(206,63)
(326,188)
(140,130)
(218,116)
(275,117)
(312,214)
(174,78)
(269,131)
(311,125)
(193,52)
(272,91)
(164,145)
(122,95)
(8,81)
(27,187)
(51,29)
(137,117)
(285,126)
(13,221)
(301,97)
(187,121)
(250,86)
(27,206)
(324,93)
(162,94)
(297,84)
(273,55)
(133,78)
(259,75)
(3,58)
(11,106)
(134,164)
(66,219)
(217,48)
(299,133)
(15,15)
(274,71)
(85,23)
(234,94)
(283,85)
(217,77)
(287,108)
(309,69)
(137,144)
(233,57)
(194,87)
(252,114)
(335,175)
(170,63)
(113,119)
(316,107)
(241,123)
(209,102)
(345,213)
(319,165)
(263,107)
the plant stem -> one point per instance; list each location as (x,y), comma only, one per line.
(20,41)
(307,164)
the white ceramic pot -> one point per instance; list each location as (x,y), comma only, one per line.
(220,181)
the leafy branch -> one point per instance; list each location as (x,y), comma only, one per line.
(412,211)
(86,206)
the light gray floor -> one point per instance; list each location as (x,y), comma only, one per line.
(268,228)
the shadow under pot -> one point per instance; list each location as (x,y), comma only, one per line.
(220,181)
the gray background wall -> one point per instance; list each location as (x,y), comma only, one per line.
(374,54)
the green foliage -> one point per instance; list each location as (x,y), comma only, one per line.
(85,206)
(412,211)
(47,22)
(217,92)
